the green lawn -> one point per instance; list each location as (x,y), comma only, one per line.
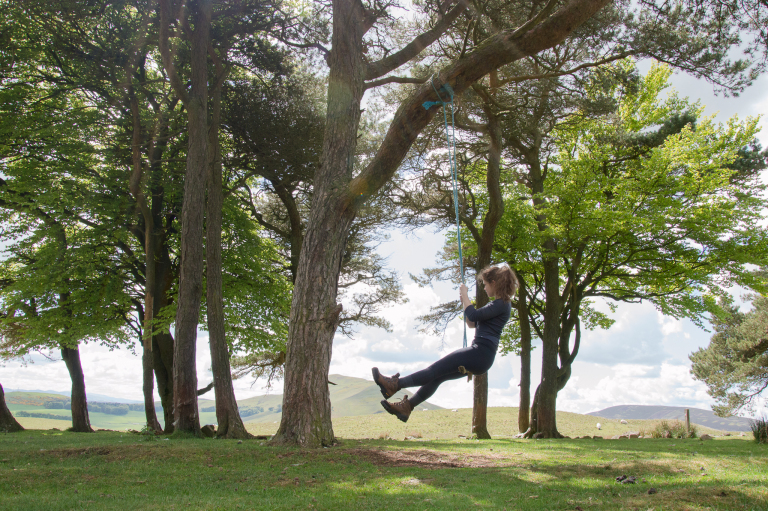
(49,470)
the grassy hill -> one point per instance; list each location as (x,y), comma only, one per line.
(349,397)
(698,416)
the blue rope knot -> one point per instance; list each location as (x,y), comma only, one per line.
(446,89)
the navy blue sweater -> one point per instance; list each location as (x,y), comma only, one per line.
(489,319)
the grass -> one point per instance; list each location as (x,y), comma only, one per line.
(448,425)
(57,470)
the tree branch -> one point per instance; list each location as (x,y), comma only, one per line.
(393,79)
(496,51)
(392,62)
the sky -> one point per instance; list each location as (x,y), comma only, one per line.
(641,360)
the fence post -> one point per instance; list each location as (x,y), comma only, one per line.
(688,421)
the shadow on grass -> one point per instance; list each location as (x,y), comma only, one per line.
(119,471)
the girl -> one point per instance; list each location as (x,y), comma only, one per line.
(499,282)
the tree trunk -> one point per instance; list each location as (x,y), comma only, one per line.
(485,253)
(227,415)
(314,311)
(547,402)
(162,358)
(149,388)
(186,416)
(8,422)
(80,421)
(533,426)
(162,342)
(523,420)
(480,407)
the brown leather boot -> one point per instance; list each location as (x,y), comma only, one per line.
(389,385)
(401,409)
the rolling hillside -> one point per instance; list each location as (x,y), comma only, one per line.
(698,416)
(349,397)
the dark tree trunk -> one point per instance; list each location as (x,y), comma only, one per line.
(533,425)
(227,415)
(80,421)
(314,312)
(547,402)
(148,387)
(485,252)
(186,416)
(162,358)
(8,422)
(480,407)
(523,417)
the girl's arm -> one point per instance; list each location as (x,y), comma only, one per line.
(465,303)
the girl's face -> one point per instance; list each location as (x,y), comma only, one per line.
(489,288)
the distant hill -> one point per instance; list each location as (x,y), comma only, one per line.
(698,416)
(101,398)
(349,397)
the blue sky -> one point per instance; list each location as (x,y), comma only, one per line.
(641,359)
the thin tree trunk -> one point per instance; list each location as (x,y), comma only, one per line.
(162,358)
(547,403)
(480,407)
(186,415)
(80,420)
(533,425)
(485,253)
(227,415)
(523,417)
(148,388)
(8,422)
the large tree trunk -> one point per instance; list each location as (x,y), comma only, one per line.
(523,420)
(227,415)
(148,388)
(80,421)
(314,312)
(8,422)
(186,416)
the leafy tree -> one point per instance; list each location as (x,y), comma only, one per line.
(646,207)
(735,364)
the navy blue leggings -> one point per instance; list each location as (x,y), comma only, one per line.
(476,359)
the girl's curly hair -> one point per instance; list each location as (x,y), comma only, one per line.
(503,278)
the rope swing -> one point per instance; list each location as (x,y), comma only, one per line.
(451,138)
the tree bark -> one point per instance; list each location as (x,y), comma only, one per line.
(314,312)
(8,422)
(523,417)
(80,420)
(485,252)
(186,415)
(230,425)
(162,358)
(148,388)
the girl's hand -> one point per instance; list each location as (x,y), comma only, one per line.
(463,291)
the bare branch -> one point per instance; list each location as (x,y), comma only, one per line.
(394,79)
(397,59)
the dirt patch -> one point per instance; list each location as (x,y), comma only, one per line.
(69,453)
(424,458)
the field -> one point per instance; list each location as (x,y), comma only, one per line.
(433,469)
